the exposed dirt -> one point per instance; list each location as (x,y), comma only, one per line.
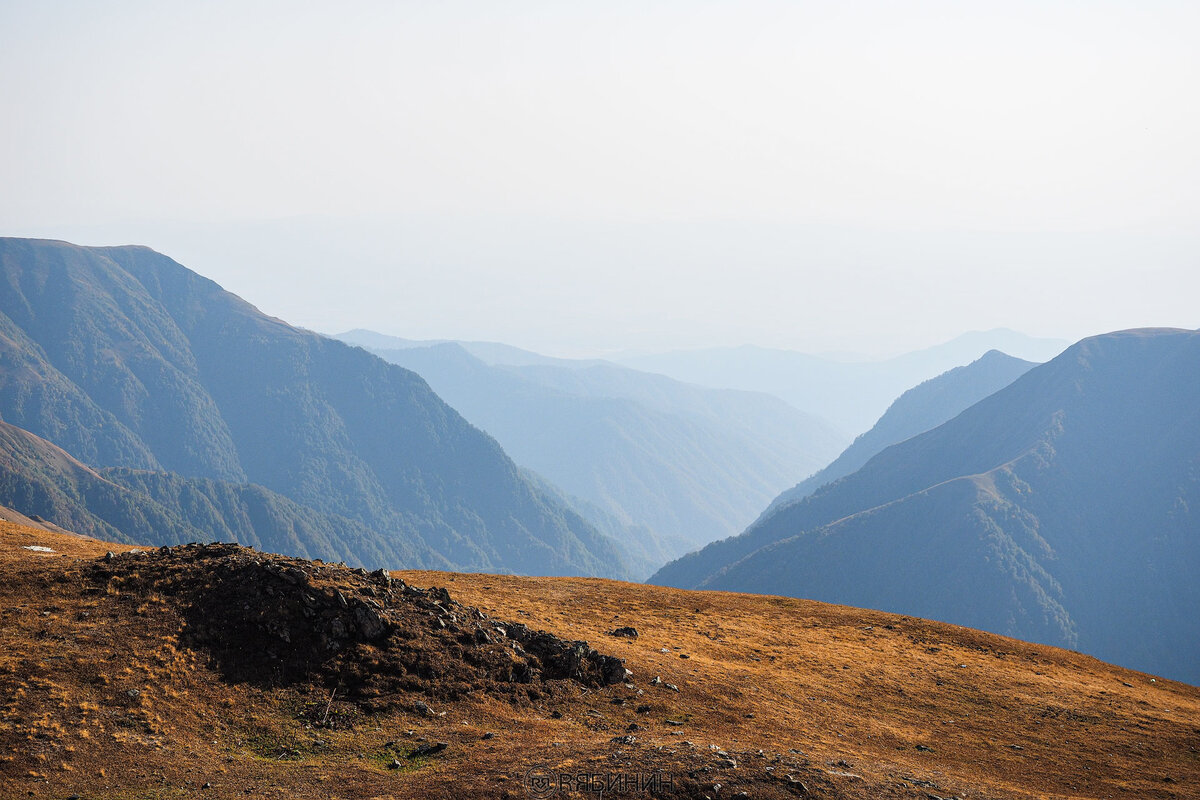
(154,675)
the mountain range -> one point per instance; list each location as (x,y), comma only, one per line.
(156,378)
(683,465)
(1060,509)
(851,394)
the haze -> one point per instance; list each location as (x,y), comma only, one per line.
(581,178)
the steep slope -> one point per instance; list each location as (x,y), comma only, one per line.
(159,508)
(208,672)
(1059,509)
(851,394)
(921,408)
(690,464)
(134,361)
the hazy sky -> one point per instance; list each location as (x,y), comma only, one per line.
(575,177)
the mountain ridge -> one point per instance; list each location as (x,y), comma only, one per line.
(921,408)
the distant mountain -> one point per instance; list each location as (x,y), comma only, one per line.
(850,394)
(493,353)
(1061,509)
(683,463)
(921,408)
(126,359)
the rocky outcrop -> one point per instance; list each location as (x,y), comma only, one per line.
(271,620)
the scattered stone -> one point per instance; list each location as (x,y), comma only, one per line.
(395,764)
(488,735)
(556,714)
(684,655)
(428,749)
(627,739)
(796,784)
(924,749)
(627,631)
(643,709)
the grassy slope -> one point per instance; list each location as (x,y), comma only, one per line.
(856,692)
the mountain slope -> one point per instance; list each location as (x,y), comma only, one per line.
(137,362)
(1060,509)
(159,508)
(689,464)
(921,408)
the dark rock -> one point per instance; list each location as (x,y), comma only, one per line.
(428,749)
(627,631)
(370,624)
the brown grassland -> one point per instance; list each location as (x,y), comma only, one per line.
(103,696)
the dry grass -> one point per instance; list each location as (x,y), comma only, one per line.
(98,696)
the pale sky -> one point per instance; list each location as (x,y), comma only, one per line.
(581,177)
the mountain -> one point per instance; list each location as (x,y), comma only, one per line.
(921,408)
(161,508)
(685,463)
(493,353)
(124,358)
(223,673)
(850,394)
(1060,509)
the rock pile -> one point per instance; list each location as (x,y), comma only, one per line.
(272,620)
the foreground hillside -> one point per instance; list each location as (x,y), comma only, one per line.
(1061,509)
(126,359)
(220,672)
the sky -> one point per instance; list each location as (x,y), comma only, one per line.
(580,178)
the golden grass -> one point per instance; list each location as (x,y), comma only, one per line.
(853,703)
